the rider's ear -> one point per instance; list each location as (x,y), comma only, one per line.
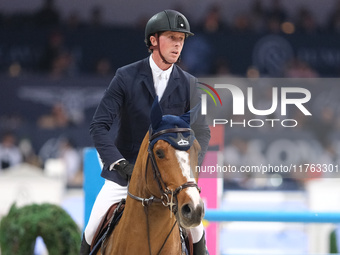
(153,40)
(156,114)
(191,116)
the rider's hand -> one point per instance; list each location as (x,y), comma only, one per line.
(124,168)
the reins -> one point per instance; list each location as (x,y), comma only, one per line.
(164,190)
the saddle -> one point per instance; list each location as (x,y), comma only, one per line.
(111,219)
(107,225)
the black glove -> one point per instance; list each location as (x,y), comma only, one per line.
(124,168)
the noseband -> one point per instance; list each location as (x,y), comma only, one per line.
(165,191)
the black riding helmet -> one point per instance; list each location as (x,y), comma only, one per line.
(168,20)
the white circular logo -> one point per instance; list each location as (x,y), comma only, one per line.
(271,53)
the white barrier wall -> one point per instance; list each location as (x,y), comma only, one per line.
(323,196)
(263,237)
(320,195)
(26,184)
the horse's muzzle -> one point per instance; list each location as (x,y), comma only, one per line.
(191,215)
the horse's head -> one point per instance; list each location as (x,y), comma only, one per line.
(173,152)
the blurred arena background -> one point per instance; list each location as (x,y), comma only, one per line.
(57,58)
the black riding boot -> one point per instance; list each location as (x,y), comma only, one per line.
(85,247)
(200,248)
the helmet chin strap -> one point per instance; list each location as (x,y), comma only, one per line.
(159,51)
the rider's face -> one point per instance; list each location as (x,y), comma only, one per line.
(170,45)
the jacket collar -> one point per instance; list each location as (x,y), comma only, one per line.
(146,74)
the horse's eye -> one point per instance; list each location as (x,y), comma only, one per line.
(160,153)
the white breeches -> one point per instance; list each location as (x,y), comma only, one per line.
(112,193)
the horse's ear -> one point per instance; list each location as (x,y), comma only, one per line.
(156,114)
(191,116)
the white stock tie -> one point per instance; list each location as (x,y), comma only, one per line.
(161,84)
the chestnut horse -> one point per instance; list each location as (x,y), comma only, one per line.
(163,196)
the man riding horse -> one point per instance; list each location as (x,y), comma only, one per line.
(123,116)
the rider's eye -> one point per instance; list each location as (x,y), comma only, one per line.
(160,153)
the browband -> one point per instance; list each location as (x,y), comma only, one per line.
(170,130)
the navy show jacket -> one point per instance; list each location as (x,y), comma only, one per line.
(122,119)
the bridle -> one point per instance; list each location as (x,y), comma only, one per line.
(165,191)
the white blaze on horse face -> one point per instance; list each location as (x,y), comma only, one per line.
(184,163)
(183,160)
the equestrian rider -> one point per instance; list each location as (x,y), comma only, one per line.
(125,108)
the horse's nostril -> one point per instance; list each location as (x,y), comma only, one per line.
(186,210)
(191,215)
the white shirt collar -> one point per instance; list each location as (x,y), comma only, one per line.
(156,71)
